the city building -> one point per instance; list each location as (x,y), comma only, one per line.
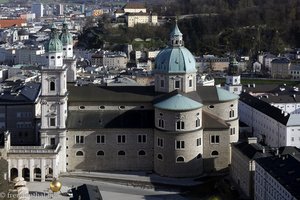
(277,177)
(37,9)
(280,67)
(174,128)
(136,13)
(242,166)
(272,126)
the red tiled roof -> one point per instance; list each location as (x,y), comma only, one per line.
(134,5)
(6,23)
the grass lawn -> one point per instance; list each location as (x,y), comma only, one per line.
(3,1)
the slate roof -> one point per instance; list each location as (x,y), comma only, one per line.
(276,94)
(213,94)
(285,169)
(20,93)
(212,122)
(86,192)
(264,107)
(91,93)
(253,150)
(110,119)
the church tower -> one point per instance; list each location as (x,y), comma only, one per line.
(175,66)
(233,78)
(54,98)
(68,56)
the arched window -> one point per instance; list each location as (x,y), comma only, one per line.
(159,156)
(52,57)
(197,122)
(199,156)
(79,153)
(100,153)
(180,159)
(215,153)
(121,153)
(52,86)
(142,153)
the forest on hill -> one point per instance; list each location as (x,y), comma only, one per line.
(243,27)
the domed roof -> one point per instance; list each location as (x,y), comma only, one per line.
(178,102)
(54,44)
(66,37)
(175,58)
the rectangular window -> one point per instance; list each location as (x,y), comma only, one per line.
(198,141)
(232,131)
(161,123)
(100,139)
(79,139)
(190,83)
(162,83)
(142,138)
(214,139)
(197,122)
(231,113)
(160,142)
(292,139)
(177,84)
(179,144)
(121,139)
(52,121)
(179,125)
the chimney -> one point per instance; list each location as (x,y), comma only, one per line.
(252,140)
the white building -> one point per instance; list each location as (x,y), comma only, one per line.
(270,124)
(277,178)
(38,9)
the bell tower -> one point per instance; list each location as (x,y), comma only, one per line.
(233,78)
(68,56)
(54,98)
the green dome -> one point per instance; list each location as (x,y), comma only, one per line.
(54,44)
(178,102)
(66,37)
(175,58)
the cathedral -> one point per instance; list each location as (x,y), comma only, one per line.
(174,128)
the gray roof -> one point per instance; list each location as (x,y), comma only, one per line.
(294,120)
(253,150)
(92,93)
(276,93)
(178,102)
(265,108)
(110,119)
(20,93)
(213,122)
(285,169)
(281,60)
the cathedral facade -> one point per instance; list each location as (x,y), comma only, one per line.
(174,128)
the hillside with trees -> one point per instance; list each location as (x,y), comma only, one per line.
(219,26)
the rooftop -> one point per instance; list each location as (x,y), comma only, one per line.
(285,169)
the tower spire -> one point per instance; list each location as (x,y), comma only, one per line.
(176,38)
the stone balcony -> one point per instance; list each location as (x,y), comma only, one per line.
(51,149)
